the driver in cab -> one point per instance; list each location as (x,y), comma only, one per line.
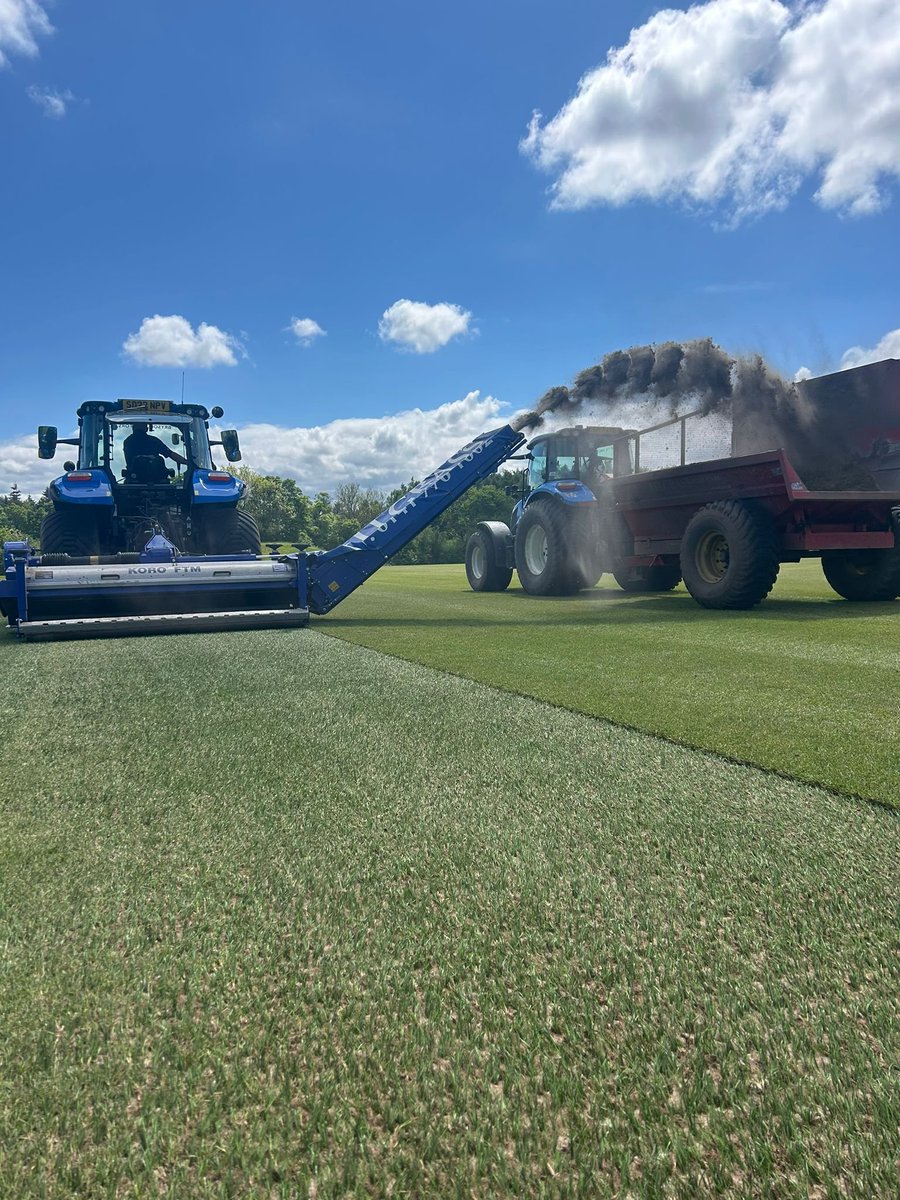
(141,443)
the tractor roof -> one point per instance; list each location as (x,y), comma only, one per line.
(593,433)
(143,409)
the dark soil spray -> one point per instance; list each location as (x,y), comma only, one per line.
(767,411)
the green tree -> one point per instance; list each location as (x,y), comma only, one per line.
(323,531)
(353,507)
(280,508)
(22,515)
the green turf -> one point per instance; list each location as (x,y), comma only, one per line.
(284,917)
(807,683)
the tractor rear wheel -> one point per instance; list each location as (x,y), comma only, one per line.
(661,578)
(729,555)
(547,559)
(70,533)
(484,569)
(231,531)
(864,574)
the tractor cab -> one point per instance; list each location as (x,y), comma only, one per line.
(588,453)
(145,467)
(148,442)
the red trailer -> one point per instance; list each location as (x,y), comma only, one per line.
(727,525)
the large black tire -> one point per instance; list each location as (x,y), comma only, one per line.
(864,574)
(587,550)
(73,533)
(661,578)
(547,559)
(485,570)
(230,531)
(729,555)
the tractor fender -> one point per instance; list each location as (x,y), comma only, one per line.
(216,487)
(566,491)
(502,538)
(82,488)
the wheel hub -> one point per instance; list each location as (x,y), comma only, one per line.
(712,557)
(536,550)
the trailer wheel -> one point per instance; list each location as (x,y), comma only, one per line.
(729,555)
(70,533)
(484,569)
(231,531)
(864,574)
(545,559)
(661,578)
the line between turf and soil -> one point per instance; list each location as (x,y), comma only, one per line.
(719,755)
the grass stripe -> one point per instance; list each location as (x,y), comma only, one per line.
(805,685)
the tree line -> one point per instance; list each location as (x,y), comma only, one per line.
(21,516)
(286,514)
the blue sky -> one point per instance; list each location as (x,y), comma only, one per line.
(727,170)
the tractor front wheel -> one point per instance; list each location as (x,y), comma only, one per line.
(864,574)
(484,569)
(729,555)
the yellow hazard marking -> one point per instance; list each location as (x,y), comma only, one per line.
(333,586)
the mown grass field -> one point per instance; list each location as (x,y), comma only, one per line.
(807,683)
(282,916)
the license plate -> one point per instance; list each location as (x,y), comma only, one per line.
(148,406)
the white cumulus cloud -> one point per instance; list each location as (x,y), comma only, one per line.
(858,356)
(52,102)
(306,330)
(22,22)
(19,463)
(375,452)
(735,102)
(422,328)
(172,342)
(888,347)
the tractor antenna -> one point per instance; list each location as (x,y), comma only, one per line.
(182,387)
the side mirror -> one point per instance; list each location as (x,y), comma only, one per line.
(218,412)
(47,436)
(513,489)
(231,445)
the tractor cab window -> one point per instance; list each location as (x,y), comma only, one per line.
(146,452)
(561,464)
(537,467)
(595,464)
(139,450)
(90,449)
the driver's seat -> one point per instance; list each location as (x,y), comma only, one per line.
(147,468)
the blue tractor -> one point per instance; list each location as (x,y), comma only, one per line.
(144,468)
(564,533)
